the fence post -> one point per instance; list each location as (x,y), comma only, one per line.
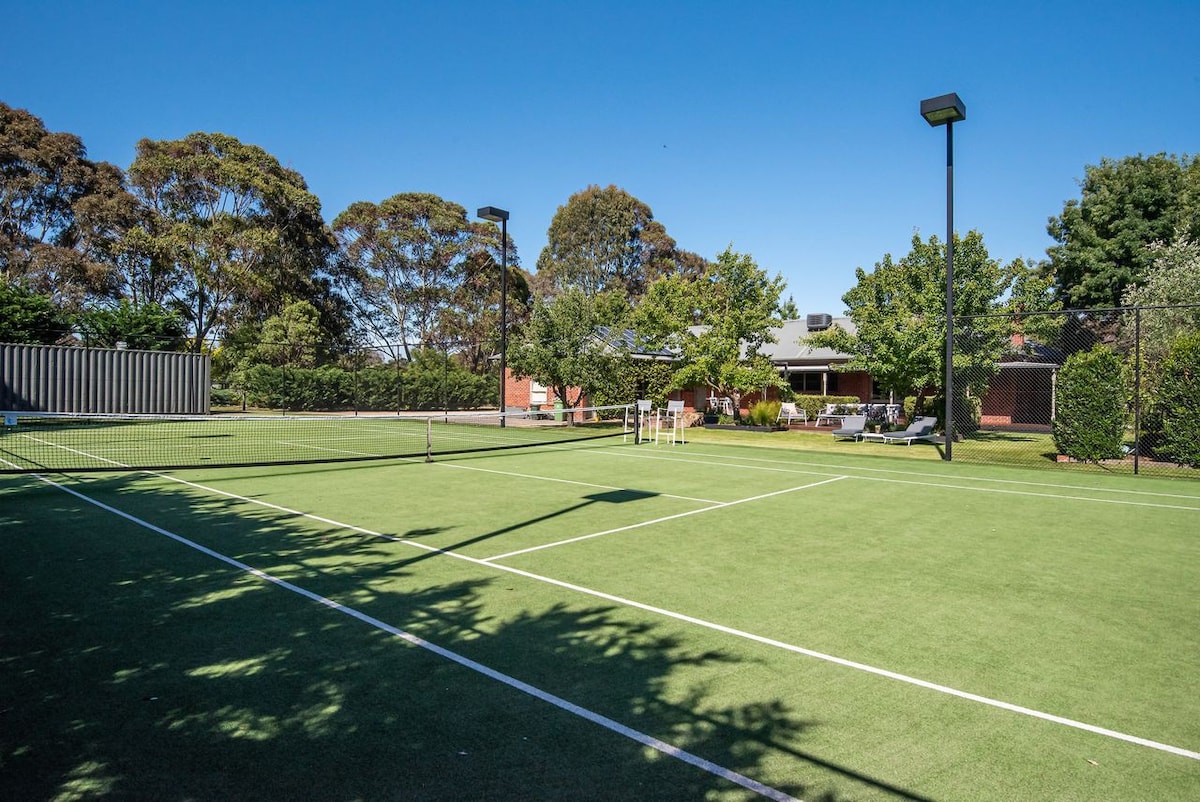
(1137,387)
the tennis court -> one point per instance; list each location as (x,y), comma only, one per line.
(601,620)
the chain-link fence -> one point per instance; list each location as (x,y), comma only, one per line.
(1115,390)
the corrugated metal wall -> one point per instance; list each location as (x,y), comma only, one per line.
(53,378)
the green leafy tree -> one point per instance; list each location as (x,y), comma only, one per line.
(606,240)
(1172,280)
(1089,400)
(1030,296)
(1125,205)
(149,327)
(899,311)
(471,319)
(61,214)
(788,310)
(29,317)
(560,349)
(232,229)
(406,260)
(734,304)
(294,337)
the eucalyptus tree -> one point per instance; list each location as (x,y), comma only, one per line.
(606,240)
(230,229)
(61,214)
(408,261)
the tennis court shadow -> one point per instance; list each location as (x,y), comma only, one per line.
(144,668)
(607,497)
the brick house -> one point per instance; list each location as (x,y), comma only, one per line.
(809,371)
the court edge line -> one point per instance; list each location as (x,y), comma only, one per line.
(941,475)
(716,506)
(545,696)
(919,483)
(882,672)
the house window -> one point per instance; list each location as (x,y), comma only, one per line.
(537,394)
(809,382)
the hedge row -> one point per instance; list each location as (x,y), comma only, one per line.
(379,387)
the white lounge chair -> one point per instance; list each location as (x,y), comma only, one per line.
(789,412)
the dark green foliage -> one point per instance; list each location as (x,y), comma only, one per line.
(1126,205)
(627,379)
(147,328)
(1179,403)
(1089,423)
(29,317)
(430,382)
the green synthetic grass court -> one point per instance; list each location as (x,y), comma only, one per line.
(602,621)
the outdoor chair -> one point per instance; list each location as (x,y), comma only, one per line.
(852,427)
(788,412)
(670,423)
(919,429)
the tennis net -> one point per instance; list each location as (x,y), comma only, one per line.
(37,442)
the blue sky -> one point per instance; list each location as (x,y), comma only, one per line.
(787,129)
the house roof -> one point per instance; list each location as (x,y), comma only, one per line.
(626,341)
(787,348)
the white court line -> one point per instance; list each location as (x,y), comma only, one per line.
(1001,490)
(491,673)
(716,506)
(914,473)
(944,689)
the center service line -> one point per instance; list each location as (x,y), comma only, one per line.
(716,506)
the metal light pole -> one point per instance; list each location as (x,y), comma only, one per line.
(495,215)
(947,110)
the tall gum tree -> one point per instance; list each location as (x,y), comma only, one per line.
(606,240)
(235,231)
(60,213)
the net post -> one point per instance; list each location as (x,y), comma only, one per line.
(429,439)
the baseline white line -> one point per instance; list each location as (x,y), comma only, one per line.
(595,718)
(716,506)
(945,689)
(919,483)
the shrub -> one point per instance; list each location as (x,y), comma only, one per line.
(1089,422)
(815,404)
(1179,402)
(764,413)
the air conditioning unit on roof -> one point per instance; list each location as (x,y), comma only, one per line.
(819,322)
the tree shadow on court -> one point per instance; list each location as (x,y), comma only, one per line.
(135,667)
(607,497)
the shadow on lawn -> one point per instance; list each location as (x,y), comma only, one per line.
(135,668)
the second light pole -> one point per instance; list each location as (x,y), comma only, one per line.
(947,110)
(495,215)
